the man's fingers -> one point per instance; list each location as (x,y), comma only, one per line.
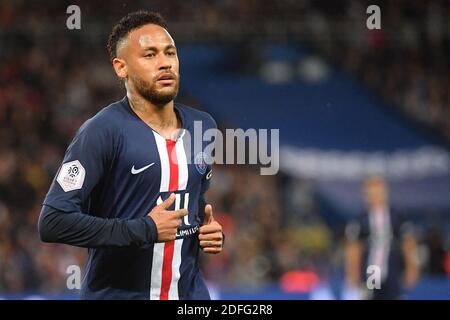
(175,224)
(212,250)
(170,238)
(180,213)
(166,203)
(208,214)
(206,244)
(176,214)
(210,228)
(210,236)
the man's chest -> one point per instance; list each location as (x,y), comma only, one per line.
(148,160)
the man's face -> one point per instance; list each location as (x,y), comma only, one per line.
(148,60)
(375,192)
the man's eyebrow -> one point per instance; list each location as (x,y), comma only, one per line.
(153,48)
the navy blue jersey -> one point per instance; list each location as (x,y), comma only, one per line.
(114,172)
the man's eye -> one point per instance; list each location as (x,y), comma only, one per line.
(150,55)
(171,53)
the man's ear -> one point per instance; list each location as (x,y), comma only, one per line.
(120,67)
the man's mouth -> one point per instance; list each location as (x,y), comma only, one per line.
(166,78)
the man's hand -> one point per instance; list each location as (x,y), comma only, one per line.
(167,221)
(210,233)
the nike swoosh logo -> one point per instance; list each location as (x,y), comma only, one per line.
(208,176)
(136,171)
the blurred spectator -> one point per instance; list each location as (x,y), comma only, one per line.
(380,240)
(436,252)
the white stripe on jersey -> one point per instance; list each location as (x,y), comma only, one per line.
(156,276)
(182,165)
(173,291)
(165,165)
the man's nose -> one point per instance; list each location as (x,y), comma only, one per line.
(164,63)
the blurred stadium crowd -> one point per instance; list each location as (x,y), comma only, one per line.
(50,84)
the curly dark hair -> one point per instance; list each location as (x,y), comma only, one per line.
(131,22)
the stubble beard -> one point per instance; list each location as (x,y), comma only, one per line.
(150,93)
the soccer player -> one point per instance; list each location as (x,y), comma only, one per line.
(380,239)
(128,188)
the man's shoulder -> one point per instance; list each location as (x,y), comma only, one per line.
(109,118)
(192,114)
(112,114)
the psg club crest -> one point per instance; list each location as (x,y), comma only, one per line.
(201,162)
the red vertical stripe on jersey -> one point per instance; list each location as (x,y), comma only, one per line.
(167,270)
(169,246)
(173,181)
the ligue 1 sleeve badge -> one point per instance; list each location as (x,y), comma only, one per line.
(71,176)
(202,160)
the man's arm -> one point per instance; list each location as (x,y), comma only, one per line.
(83,230)
(409,247)
(353,263)
(87,159)
(353,255)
